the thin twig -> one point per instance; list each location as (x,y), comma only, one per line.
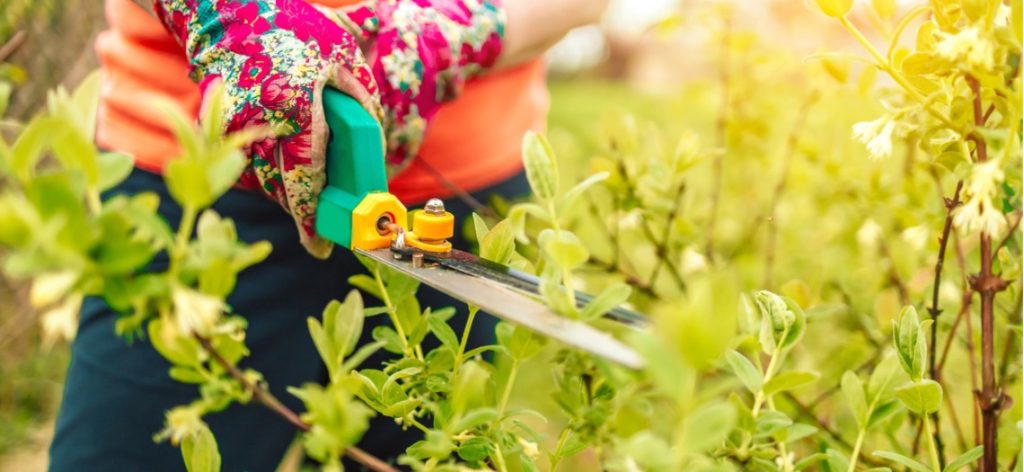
(721,127)
(263,395)
(665,237)
(951,205)
(787,156)
(12,45)
(808,412)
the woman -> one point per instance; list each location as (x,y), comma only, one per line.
(454,83)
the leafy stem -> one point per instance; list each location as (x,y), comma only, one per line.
(465,337)
(933,452)
(898,77)
(508,387)
(393,314)
(263,395)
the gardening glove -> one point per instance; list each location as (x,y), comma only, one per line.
(274,58)
(421,53)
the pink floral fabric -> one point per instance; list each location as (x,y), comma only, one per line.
(276,56)
(422,52)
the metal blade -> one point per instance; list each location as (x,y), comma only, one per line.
(472,264)
(508,304)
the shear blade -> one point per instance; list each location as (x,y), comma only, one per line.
(513,306)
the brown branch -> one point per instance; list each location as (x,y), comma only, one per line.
(663,246)
(951,204)
(987,285)
(12,45)
(263,395)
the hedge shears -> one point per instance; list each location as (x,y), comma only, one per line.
(357,212)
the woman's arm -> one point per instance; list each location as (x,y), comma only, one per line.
(532,26)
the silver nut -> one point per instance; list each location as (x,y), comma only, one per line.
(434,206)
(417,260)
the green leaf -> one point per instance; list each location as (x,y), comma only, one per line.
(114,167)
(607,300)
(479,227)
(563,249)
(499,243)
(745,371)
(443,332)
(472,419)
(902,460)
(348,323)
(367,284)
(810,460)
(324,346)
(835,8)
(853,390)
(769,422)
(963,460)
(708,426)
(541,167)
(520,342)
(837,461)
(186,375)
(882,376)
(186,182)
(911,346)
(566,202)
(883,412)
(200,452)
(29,146)
(475,449)
(788,381)
(922,397)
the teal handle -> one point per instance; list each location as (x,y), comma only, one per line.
(355,165)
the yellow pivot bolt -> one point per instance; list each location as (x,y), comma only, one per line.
(432,227)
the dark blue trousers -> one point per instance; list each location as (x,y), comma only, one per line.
(116,393)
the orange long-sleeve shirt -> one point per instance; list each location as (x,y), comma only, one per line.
(473,141)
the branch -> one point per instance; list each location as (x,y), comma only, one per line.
(721,127)
(934,311)
(263,395)
(808,412)
(12,45)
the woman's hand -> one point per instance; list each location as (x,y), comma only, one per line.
(274,58)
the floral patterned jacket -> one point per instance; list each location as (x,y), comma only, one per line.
(401,59)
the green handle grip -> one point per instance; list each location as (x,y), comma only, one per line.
(355,166)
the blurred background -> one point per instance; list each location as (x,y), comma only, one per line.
(641,52)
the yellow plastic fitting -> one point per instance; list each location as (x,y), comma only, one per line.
(433,245)
(431,226)
(365,234)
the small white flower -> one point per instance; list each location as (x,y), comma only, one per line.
(916,236)
(196,312)
(48,288)
(182,422)
(61,322)
(967,45)
(877,135)
(869,233)
(530,448)
(693,260)
(978,213)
